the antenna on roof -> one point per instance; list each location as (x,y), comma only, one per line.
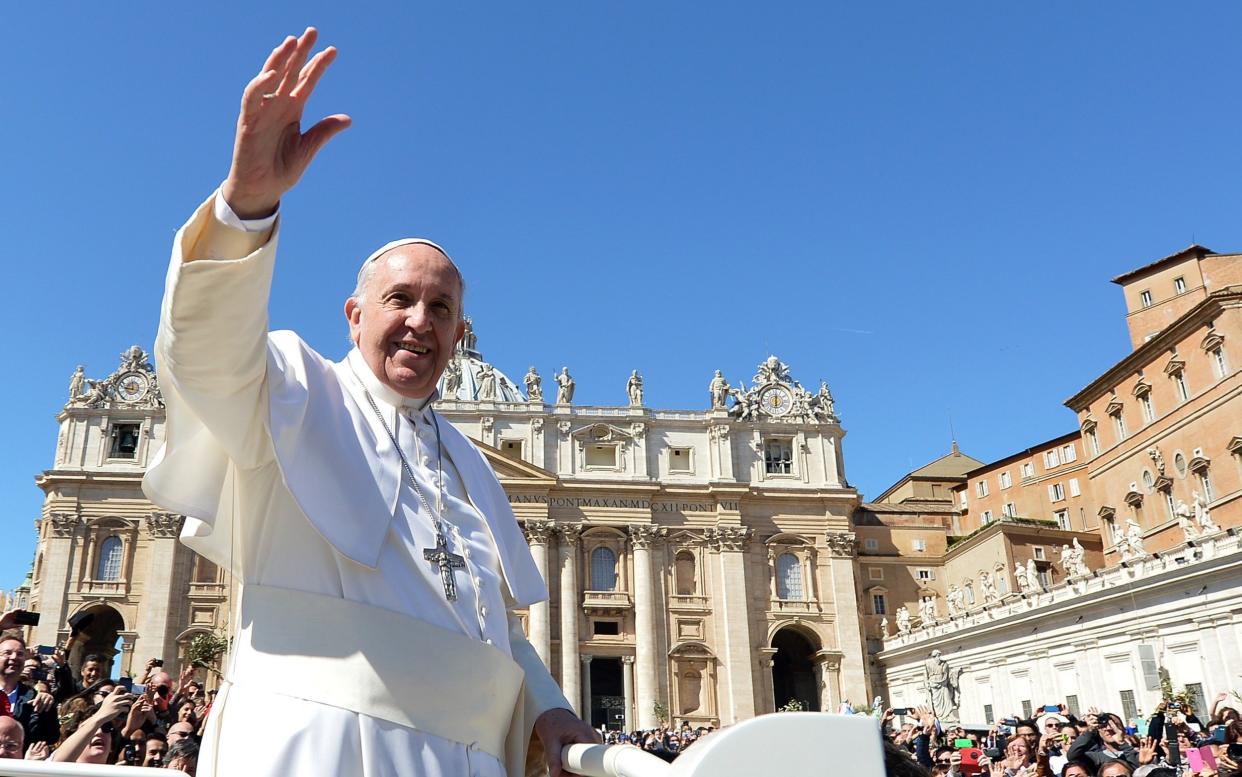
(952,434)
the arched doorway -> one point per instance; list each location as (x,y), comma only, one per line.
(793,670)
(100,628)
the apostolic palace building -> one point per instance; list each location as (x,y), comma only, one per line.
(713,564)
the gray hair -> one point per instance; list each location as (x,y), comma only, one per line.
(367,270)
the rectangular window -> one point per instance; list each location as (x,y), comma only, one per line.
(1145,298)
(875,573)
(1062,518)
(871,543)
(606,628)
(1112,530)
(965,500)
(1119,424)
(1026,708)
(1005,479)
(1051,458)
(981,488)
(1071,703)
(920,545)
(1205,482)
(778,457)
(678,459)
(985,517)
(878,605)
(1045,579)
(1075,490)
(1149,410)
(601,456)
(1056,492)
(1183,389)
(1179,285)
(1218,362)
(1196,694)
(1129,710)
(511,449)
(924,574)
(987,714)
(1028,470)
(1010,510)
(1038,552)
(124,441)
(1069,453)
(1094,439)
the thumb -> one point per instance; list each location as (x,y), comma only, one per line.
(324,130)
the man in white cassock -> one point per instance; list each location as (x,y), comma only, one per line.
(379,562)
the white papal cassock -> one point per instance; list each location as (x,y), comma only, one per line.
(349,659)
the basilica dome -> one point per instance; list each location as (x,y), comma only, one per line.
(469,372)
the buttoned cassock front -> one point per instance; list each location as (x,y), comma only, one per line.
(288,479)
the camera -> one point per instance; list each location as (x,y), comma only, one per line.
(131,756)
(157,662)
(26,618)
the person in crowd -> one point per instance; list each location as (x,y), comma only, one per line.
(180,731)
(91,742)
(183,755)
(898,763)
(33,709)
(1103,742)
(155,749)
(12,738)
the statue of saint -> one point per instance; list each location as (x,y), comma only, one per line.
(903,620)
(452,378)
(487,383)
(826,404)
(988,586)
(1185,522)
(564,387)
(1032,574)
(943,687)
(77,383)
(1203,516)
(634,389)
(884,627)
(719,390)
(1078,560)
(534,385)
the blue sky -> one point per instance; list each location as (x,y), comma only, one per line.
(920,203)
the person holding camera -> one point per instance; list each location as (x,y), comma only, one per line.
(92,742)
(33,709)
(1103,742)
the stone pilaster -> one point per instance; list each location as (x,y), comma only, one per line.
(843,590)
(643,536)
(59,530)
(154,633)
(586,687)
(729,542)
(567,548)
(537,535)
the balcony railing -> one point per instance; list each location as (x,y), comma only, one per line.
(104,588)
(687,602)
(794,605)
(606,600)
(206,590)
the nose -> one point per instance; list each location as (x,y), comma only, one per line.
(419,318)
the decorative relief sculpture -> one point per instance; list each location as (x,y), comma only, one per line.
(132,384)
(487,383)
(534,385)
(1203,516)
(1157,458)
(564,387)
(719,391)
(903,620)
(634,389)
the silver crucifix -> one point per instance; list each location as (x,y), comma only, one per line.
(447,562)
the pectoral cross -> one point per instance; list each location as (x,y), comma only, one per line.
(447,562)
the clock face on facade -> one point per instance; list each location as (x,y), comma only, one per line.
(776,401)
(132,386)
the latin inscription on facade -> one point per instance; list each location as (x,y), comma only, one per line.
(624,503)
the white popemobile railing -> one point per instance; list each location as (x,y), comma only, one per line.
(13,768)
(796,743)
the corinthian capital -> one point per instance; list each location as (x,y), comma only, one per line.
(569,533)
(63,524)
(644,535)
(538,532)
(728,537)
(842,544)
(164,525)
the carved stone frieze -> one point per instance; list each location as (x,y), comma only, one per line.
(563,427)
(718,432)
(536,423)
(131,385)
(164,525)
(638,430)
(487,423)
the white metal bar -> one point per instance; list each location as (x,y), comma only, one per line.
(14,768)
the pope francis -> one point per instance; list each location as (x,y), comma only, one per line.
(378,559)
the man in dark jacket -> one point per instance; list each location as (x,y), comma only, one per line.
(35,711)
(1103,741)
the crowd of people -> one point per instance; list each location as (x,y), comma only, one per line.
(666,742)
(1174,742)
(50,713)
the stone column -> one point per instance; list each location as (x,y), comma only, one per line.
(537,535)
(840,588)
(739,680)
(58,532)
(627,674)
(644,623)
(586,688)
(568,553)
(153,621)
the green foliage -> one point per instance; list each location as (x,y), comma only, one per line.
(206,651)
(660,711)
(793,705)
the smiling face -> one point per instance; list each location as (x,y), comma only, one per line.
(408,320)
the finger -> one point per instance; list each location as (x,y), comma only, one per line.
(311,74)
(277,59)
(293,67)
(323,131)
(259,87)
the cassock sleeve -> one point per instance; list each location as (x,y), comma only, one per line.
(211,357)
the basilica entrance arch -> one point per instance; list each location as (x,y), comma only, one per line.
(100,633)
(793,669)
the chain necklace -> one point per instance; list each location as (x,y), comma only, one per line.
(446,561)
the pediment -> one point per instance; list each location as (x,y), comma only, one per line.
(1106,512)
(1141,388)
(1114,407)
(1212,341)
(601,433)
(1134,498)
(508,469)
(1235,445)
(1174,366)
(1088,425)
